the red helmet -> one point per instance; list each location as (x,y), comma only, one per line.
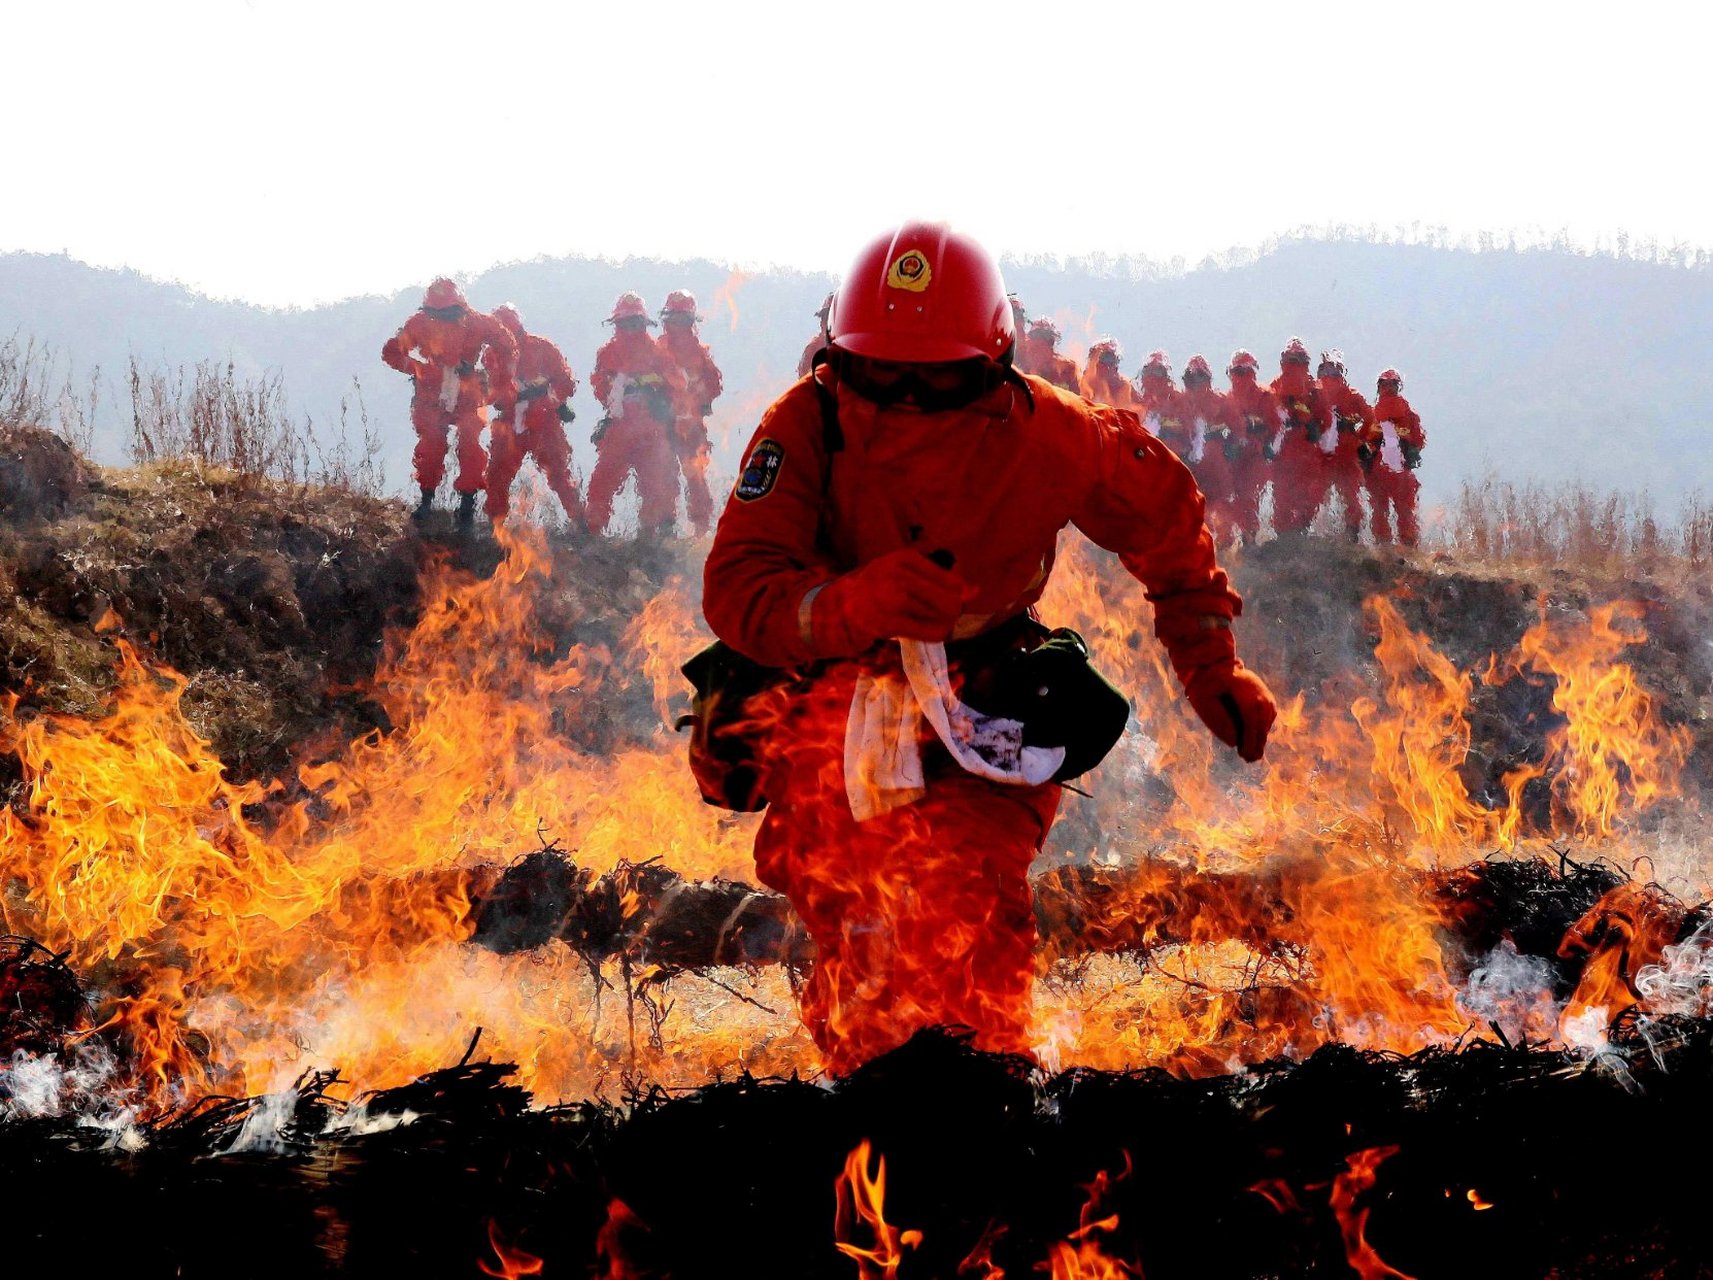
(923,293)
(1331,364)
(1107,352)
(443,293)
(1157,365)
(1242,362)
(680,302)
(507,315)
(1041,327)
(1294,353)
(1394,377)
(1198,368)
(629,306)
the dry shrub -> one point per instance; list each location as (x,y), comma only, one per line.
(212,418)
(35,393)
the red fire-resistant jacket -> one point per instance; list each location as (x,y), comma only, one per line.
(542,369)
(703,383)
(1258,409)
(1306,412)
(1037,356)
(1396,410)
(636,358)
(451,341)
(1223,421)
(992,484)
(1350,413)
(1108,386)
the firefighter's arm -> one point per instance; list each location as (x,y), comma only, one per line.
(1144,505)
(560,380)
(499,361)
(601,380)
(396,351)
(712,381)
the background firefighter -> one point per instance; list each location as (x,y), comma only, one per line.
(643,392)
(680,341)
(1157,395)
(1212,438)
(1391,450)
(807,359)
(1103,378)
(1039,355)
(1299,474)
(534,426)
(1351,417)
(1252,468)
(932,516)
(454,356)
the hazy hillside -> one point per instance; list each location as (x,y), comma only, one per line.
(1538,364)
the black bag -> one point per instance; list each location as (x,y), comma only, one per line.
(1044,679)
(724,741)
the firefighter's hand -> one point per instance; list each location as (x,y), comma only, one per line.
(1412,456)
(566,413)
(901,595)
(1236,705)
(1365,455)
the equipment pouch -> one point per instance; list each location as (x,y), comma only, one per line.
(1044,679)
(725,735)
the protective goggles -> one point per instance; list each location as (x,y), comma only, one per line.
(930,387)
(631,324)
(679,317)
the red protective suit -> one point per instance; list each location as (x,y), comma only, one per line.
(690,433)
(1300,474)
(1037,355)
(644,393)
(1391,481)
(1351,416)
(921,916)
(1257,409)
(532,427)
(1211,430)
(454,356)
(1105,384)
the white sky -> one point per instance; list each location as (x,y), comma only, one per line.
(299,152)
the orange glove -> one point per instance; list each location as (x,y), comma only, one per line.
(1236,704)
(900,594)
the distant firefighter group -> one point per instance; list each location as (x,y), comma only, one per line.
(657,394)
(1307,437)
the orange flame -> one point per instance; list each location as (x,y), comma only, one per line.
(860,1196)
(514,1263)
(1081,1256)
(727,296)
(1360,1175)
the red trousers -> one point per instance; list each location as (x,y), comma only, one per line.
(691,445)
(1216,478)
(1300,477)
(543,438)
(921,917)
(636,441)
(1396,489)
(1344,477)
(1249,477)
(430,417)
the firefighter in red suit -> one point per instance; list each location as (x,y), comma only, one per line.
(1300,475)
(680,341)
(1157,400)
(1103,378)
(818,341)
(460,361)
(1252,453)
(1039,355)
(1391,450)
(535,424)
(1351,417)
(1211,431)
(933,516)
(644,393)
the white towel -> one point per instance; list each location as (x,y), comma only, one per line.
(1391,448)
(1198,441)
(449,381)
(883,735)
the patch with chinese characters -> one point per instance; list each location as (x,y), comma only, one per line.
(910,271)
(760,472)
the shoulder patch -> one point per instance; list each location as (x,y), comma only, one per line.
(761,470)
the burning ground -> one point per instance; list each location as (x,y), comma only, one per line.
(296,789)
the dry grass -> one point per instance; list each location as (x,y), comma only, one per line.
(1575,526)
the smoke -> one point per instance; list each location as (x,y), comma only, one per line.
(1513,992)
(83,1084)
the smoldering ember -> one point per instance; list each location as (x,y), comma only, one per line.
(365,920)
